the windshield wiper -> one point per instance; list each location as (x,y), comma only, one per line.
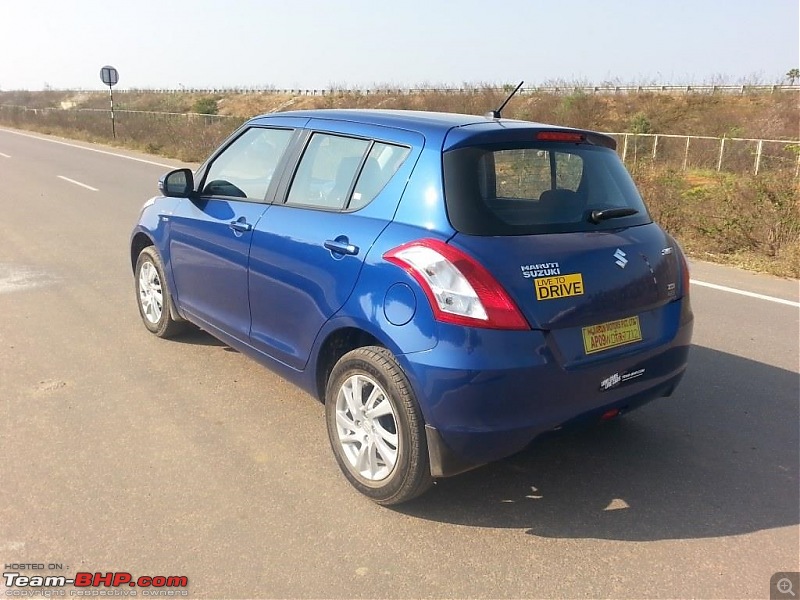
(611,213)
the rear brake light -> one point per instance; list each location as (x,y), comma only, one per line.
(560,136)
(460,290)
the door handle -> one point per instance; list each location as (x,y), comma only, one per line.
(241,225)
(341,247)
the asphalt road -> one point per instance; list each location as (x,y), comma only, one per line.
(123,452)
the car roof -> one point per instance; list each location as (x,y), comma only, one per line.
(427,123)
(414,120)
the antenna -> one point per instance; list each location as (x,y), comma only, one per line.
(495,114)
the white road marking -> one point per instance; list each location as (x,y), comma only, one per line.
(15,278)
(12,546)
(83,185)
(36,137)
(5,155)
(731,290)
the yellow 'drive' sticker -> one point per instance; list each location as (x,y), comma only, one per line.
(611,334)
(558,286)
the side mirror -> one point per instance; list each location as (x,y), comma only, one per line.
(177,184)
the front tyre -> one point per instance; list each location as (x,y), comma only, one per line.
(375,427)
(153,297)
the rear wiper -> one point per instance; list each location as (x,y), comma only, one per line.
(611,213)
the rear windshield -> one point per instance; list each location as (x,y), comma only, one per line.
(537,188)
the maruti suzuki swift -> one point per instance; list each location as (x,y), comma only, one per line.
(450,286)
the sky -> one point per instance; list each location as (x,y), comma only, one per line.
(313,44)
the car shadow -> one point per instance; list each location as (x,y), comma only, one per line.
(195,336)
(718,458)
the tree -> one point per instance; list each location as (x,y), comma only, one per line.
(640,123)
(205,106)
(793,75)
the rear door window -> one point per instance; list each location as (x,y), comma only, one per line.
(545,188)
(326,173)
(382,163)
(343,173)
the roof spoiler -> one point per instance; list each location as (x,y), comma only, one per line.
(601,139)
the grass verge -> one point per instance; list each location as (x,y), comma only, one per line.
(750,221)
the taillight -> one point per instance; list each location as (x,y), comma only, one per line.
(459,289)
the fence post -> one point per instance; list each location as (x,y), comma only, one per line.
(625,148)
(655,147)
(721,150)
(758,155)
(686,153)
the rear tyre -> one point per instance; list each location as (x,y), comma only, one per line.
(153,296)
(375,427)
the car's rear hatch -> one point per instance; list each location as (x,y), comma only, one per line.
(599,294)
(559,223)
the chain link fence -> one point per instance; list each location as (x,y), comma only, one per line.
(188,136)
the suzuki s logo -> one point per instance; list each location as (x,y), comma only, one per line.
(621,260)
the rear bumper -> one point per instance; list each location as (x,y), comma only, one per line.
(456,452)
(488,394)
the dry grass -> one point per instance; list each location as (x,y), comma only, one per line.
(754,115)
(750,221)
(188,137)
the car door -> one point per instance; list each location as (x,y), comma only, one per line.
(210,233)
(307,252)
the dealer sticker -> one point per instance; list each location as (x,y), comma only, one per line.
(611,335)
(560,286)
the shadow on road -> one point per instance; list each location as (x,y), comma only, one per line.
(719,458)
(198,337)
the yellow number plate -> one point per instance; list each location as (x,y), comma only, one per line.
(558,286)
(611,334)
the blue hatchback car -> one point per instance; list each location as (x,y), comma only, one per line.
(450,286)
